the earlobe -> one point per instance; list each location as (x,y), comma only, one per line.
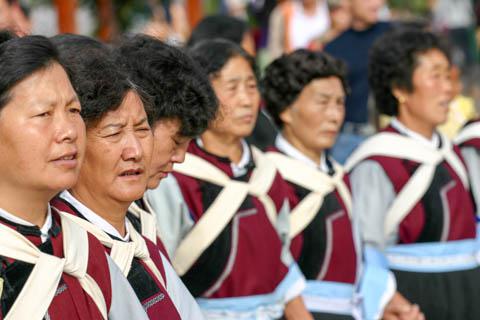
(400,95)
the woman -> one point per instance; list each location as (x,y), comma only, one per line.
(409,184)
(183,105)
(218,210)
(50,267)
(115,173)
(326,244)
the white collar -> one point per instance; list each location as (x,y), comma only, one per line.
(94,218)
(434,142)
(239,168)
(43,230)
(286,147)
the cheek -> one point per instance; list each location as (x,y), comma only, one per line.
(147,147)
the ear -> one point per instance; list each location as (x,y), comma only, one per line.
(286,115)
(400,95)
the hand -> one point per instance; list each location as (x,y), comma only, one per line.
(400,308)
(295,310)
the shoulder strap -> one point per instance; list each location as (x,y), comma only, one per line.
(319,183)
(39,290)
(397,146)
(470,131)
(122,253)
(147,220)
(224,207)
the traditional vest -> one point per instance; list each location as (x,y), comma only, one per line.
(123,254)
(41,286)
(214,255)
(469,136)
(433,201)
(321,221)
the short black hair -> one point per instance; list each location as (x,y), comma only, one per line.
(179,87)
(218,26)
(100,83)
(393,60)
(213,54)
(20,58)
(287,76)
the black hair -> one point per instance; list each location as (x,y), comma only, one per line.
(219,26)
(393,60)
(20,58)
(213,54)
(100,83)
(179,87)
(287,76)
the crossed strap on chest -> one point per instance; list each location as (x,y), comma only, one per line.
(401,147)
(319,183)
(471,131)
(224,207)
(122,253)
(39,290)
(147,220)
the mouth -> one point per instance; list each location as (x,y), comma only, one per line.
(445,104)
(136,172)
(246,118)
(67,160)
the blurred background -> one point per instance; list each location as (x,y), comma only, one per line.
(174,20)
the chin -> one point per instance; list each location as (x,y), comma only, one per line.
(62,183)
(153,183)
(130,195)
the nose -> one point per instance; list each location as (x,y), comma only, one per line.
(132,148)
(245,97)
(68,128)
(335,111)
(448,86)
(180,152)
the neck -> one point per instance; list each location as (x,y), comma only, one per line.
(223,146)
(29,205)
(420,127)
(112,211)
(360,25)
(314,155)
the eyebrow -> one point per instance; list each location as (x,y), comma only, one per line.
(142,121)
(72,100)
(117,125)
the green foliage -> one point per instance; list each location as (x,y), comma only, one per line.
(415,6)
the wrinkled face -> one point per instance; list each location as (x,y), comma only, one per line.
(236,89)
(366,10)
(169,147)
(42,133)
(314,119)
(118,154)
(432,89)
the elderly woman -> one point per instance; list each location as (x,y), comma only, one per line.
(410,186)
(115,173)
(50,267)
(219,209)
(183,105)
(310,112)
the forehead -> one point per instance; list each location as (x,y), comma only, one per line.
(48,85)
(432,59)
(329,86)
(236,66)
(131,109)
